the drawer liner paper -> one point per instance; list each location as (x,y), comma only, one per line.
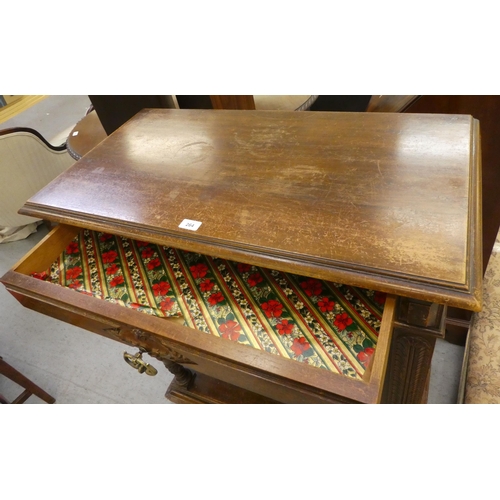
(324,324)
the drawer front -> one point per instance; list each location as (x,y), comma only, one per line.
(272,376)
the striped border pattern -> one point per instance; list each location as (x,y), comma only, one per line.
(327,325)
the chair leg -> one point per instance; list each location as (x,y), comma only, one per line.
(20,379)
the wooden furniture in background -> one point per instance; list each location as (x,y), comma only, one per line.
(264,102)
(387,202)
(284,102)
(30,388)
(89,132)
(390,103)
(232,101)
(114,110)
(86,134)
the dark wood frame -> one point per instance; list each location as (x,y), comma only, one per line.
(30,388)
(14,130)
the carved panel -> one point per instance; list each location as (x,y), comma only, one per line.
(159,349)
(154,346)
(183,376)
(408,368)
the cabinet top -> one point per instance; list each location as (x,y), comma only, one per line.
(384,201)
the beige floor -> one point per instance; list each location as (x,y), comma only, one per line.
(76,366)
(16,104)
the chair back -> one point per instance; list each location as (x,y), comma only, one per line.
(27,164)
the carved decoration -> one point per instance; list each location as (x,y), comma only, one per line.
(183,376)
(408,368)
(162,351)
(155,347)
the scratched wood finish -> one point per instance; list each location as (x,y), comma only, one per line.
(384,201)
(486,109)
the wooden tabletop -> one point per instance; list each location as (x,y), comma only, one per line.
(385,201)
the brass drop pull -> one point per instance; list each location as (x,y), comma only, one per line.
(139,364)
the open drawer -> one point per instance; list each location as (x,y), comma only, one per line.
(230,371)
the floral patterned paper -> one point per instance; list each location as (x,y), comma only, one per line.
(327,325)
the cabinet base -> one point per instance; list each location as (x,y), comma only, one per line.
(208,390)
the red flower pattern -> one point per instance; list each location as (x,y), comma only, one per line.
(161,288)
(153,263)
(206,285)
(272,308)
(112,269)
(40,276)
(243,268)
(147,253)
(199,270)
(365,355)
(141,243)
(167,304)
(254,279)
(117,280)
(362,356)
(72,248)
(300,346)
(73,272)
(284,327)
(215,298)
(312,287)
(109,257)
(342,321)
(230,330)
(325,304)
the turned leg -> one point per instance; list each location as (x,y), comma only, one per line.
(417,326)
(183,376)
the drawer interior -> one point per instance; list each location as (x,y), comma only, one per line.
(324,326)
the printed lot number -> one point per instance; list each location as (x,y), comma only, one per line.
(192,225)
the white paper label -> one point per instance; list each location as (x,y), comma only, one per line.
(192,225)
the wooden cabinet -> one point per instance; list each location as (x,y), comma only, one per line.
(380,201)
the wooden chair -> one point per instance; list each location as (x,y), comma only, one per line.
(30,387)
(27,164)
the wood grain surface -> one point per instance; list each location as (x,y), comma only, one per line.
(385,201)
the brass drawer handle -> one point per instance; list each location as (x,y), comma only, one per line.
(139,364)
